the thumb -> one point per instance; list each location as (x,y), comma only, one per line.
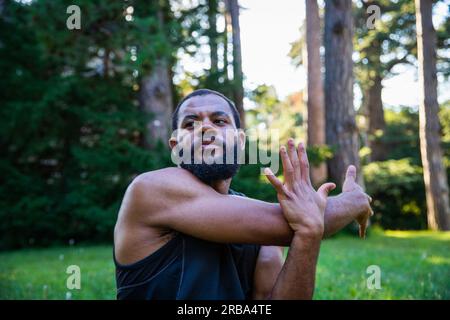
(351,173)
(276,183)
(325,189)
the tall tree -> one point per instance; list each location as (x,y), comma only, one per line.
(389,39)
(155,96)
(213,35)
(217,77)
(155,99)
(238,88)
(315,94)
(341,130)
(226,30)
(436,185)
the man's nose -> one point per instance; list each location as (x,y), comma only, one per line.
(206,124)
(208,129)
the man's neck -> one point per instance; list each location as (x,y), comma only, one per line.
(221,186)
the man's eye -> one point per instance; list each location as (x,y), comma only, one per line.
(189,124)
(220,121)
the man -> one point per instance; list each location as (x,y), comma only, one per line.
(182,233)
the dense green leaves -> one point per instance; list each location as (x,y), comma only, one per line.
(71,129)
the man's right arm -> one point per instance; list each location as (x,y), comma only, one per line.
(174,199)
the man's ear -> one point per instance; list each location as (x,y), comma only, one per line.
(241,139)
(172,142)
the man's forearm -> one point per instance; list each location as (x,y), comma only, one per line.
(243,220)
(297,277)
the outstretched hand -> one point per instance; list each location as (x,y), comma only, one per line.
(350,185)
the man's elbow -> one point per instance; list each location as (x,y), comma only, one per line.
(267,269)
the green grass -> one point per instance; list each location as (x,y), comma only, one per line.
(414,265)
(41,273)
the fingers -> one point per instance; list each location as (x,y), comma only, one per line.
(276,183)
(294,158)
(362,230)
(351,173)
(363,226)
(369,199)
(304,163)
(325,189)
(288,170)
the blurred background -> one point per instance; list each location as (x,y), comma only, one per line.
(87,93)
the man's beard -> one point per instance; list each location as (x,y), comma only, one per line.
(214,171)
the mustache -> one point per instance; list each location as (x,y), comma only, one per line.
(228,154)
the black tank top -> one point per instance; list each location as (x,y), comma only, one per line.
(190,268)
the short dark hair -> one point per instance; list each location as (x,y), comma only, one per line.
(204,92)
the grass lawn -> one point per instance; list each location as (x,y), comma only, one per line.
(414,265)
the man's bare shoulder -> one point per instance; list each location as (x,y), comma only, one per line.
(164,180)
(153,191)
(164,173)
(137,232)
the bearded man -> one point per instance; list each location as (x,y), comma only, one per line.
(182,233)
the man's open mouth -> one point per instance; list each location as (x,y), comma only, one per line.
(207,142)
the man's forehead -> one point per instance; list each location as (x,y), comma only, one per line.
(206,103)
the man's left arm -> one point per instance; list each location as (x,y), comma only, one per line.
(352,204)
(268,266)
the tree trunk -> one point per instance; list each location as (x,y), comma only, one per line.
(226,44)
(436,185)
(341,130)
(373,103)
(315,94)
(155,96)
(106,63)
(212,12)
(377,124)
(238,88)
